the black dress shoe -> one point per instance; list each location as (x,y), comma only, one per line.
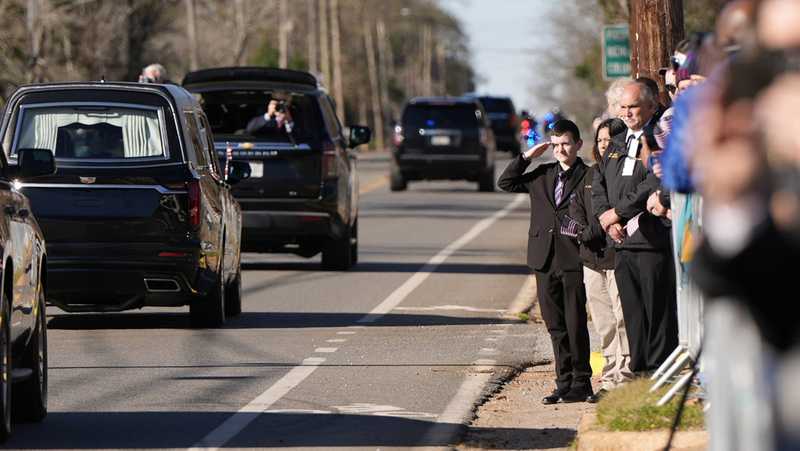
(579,395)
(554,397)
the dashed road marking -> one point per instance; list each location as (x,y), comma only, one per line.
(326,350)
(345,332)
(336,340)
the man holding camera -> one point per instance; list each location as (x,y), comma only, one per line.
(276,118)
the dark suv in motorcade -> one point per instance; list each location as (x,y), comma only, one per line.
(443,138)
(140,212)
(505,123)
(302,196)
(23,271)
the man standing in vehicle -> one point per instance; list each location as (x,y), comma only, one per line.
(553,255)
(277,117)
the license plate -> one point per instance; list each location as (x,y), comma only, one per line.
(256,169)
(440,140)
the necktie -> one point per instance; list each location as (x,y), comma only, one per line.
(560,178)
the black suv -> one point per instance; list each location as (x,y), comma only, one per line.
(23,327)
(505,122)
(140,212)
(302,195)
(443,138)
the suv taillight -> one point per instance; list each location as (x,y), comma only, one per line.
(398,135)
(329,167)
(193,191)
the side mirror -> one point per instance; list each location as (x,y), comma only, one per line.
(237,171)
(358,135)
(35,163)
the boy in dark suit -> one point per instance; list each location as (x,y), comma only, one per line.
(553,255)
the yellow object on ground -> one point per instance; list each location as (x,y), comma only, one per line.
(597,361)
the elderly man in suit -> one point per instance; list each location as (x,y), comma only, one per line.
(553,255)
(644,268)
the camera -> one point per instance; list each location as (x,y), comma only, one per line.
(280,107)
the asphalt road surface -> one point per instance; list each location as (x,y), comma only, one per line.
(394,353)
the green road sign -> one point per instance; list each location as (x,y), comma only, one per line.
(616,52)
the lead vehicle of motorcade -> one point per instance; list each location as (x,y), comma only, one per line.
(139,212)
(23,327)
(302,196)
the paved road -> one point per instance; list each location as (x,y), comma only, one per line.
(391,354)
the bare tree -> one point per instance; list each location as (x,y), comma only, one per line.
(311,12)
(191,34)
(324,42)
(375,94)
(338,92)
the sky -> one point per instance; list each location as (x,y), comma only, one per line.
(500,35)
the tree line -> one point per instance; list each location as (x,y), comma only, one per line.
(371,55)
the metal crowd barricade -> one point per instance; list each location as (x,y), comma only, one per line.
(686,227)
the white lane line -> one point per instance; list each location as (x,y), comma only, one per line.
(345,332)
(460,407)
(492,339)
(336,340)
(326,350)
(247,414)
(499,331)
(402,292)
(488,351)
(454,307)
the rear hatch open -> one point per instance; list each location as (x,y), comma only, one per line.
(285,157)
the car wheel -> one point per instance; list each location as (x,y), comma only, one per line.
(5,369)
(31,395)
(337,253)
(486,181)
(396,180)
(354,243)
(233,296)
(209,311)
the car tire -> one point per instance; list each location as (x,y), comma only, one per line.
(5,368)
(209,311)
(396,180)
(337,253)
(233,296)
(354,243)
(30,396)
(486,181)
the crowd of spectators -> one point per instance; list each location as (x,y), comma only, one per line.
(697,183)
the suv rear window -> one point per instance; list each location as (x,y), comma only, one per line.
(497,105)
(230,111)
(92,131)
(441,116)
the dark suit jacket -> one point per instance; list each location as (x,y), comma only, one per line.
(597,251)
(259,126)
(547,248)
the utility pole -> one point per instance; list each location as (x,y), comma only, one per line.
(375,93)
(338,92)
(656,27)
(191,34)
(324,43)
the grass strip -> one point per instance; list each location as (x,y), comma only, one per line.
(632,408)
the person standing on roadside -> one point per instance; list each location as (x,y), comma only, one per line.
(597,254)
(553,255)
(644,269)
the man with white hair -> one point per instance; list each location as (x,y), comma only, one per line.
(154,73)
(643,266)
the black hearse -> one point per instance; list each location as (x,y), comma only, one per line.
(140,211)
(302,196)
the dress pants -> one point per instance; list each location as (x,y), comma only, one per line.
(646,282)
(602,299)
(562,300)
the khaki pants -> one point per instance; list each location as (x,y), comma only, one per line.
(604,305)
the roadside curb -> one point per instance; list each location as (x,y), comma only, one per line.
(589,438)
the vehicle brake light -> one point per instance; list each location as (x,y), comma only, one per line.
(329,167)
(398,135)
(193,191)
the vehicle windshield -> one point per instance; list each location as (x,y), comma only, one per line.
(92,132)
(241,115)
(441,116)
